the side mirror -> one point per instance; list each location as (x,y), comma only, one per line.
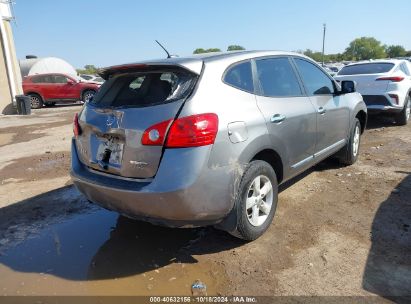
(348,86)
(70,82)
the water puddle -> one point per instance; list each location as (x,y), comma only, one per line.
(101,253)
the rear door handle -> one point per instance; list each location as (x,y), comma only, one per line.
(277,118)
(321,110)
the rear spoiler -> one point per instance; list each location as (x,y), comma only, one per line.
(105,73)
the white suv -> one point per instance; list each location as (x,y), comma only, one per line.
(384,84)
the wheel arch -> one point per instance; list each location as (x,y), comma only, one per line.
(35,93)
(85,90)
(274,159)
(362,117)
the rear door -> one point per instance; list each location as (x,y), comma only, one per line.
(124,108)
(290,116)
(332,110)
(44,85)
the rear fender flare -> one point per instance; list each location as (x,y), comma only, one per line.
(36,93)
(360,106)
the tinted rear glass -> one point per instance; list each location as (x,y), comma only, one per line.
(144,89)
(240,76)
(42,79)
(368,68)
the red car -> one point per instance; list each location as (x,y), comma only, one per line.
(47,89)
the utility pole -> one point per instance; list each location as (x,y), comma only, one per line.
(325,27)
(353,51)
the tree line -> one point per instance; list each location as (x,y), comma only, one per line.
(363,48)
(88,69)
(211,50)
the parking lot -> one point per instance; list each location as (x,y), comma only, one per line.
(337,230)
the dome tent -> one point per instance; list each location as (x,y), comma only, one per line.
(32,66)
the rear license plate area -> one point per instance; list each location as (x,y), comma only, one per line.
(110,151)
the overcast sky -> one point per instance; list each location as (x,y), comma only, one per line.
(106,32)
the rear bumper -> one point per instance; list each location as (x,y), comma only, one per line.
(383,109)
(184,193)
(380,103)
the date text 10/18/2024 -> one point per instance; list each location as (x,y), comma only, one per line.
(203,299)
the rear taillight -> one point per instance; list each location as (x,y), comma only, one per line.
(76,126)
(155,135)
(193,131)
(392,78)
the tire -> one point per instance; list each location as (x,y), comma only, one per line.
(255,211)
(36,101)
(403,117)
(352,149)
(87,95)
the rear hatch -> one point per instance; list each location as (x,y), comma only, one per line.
(127,106)
(368,76)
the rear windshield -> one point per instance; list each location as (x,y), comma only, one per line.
(144,89)
(367,68)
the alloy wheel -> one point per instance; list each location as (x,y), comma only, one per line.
(35,101)
(259,200)
(88,96)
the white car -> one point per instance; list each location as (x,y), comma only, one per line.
(329,71)
(384,84)
(91,78)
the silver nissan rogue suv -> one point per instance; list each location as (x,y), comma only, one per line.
(206,140)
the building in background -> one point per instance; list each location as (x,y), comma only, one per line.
(10,77)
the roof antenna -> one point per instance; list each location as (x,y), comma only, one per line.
(168,54)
